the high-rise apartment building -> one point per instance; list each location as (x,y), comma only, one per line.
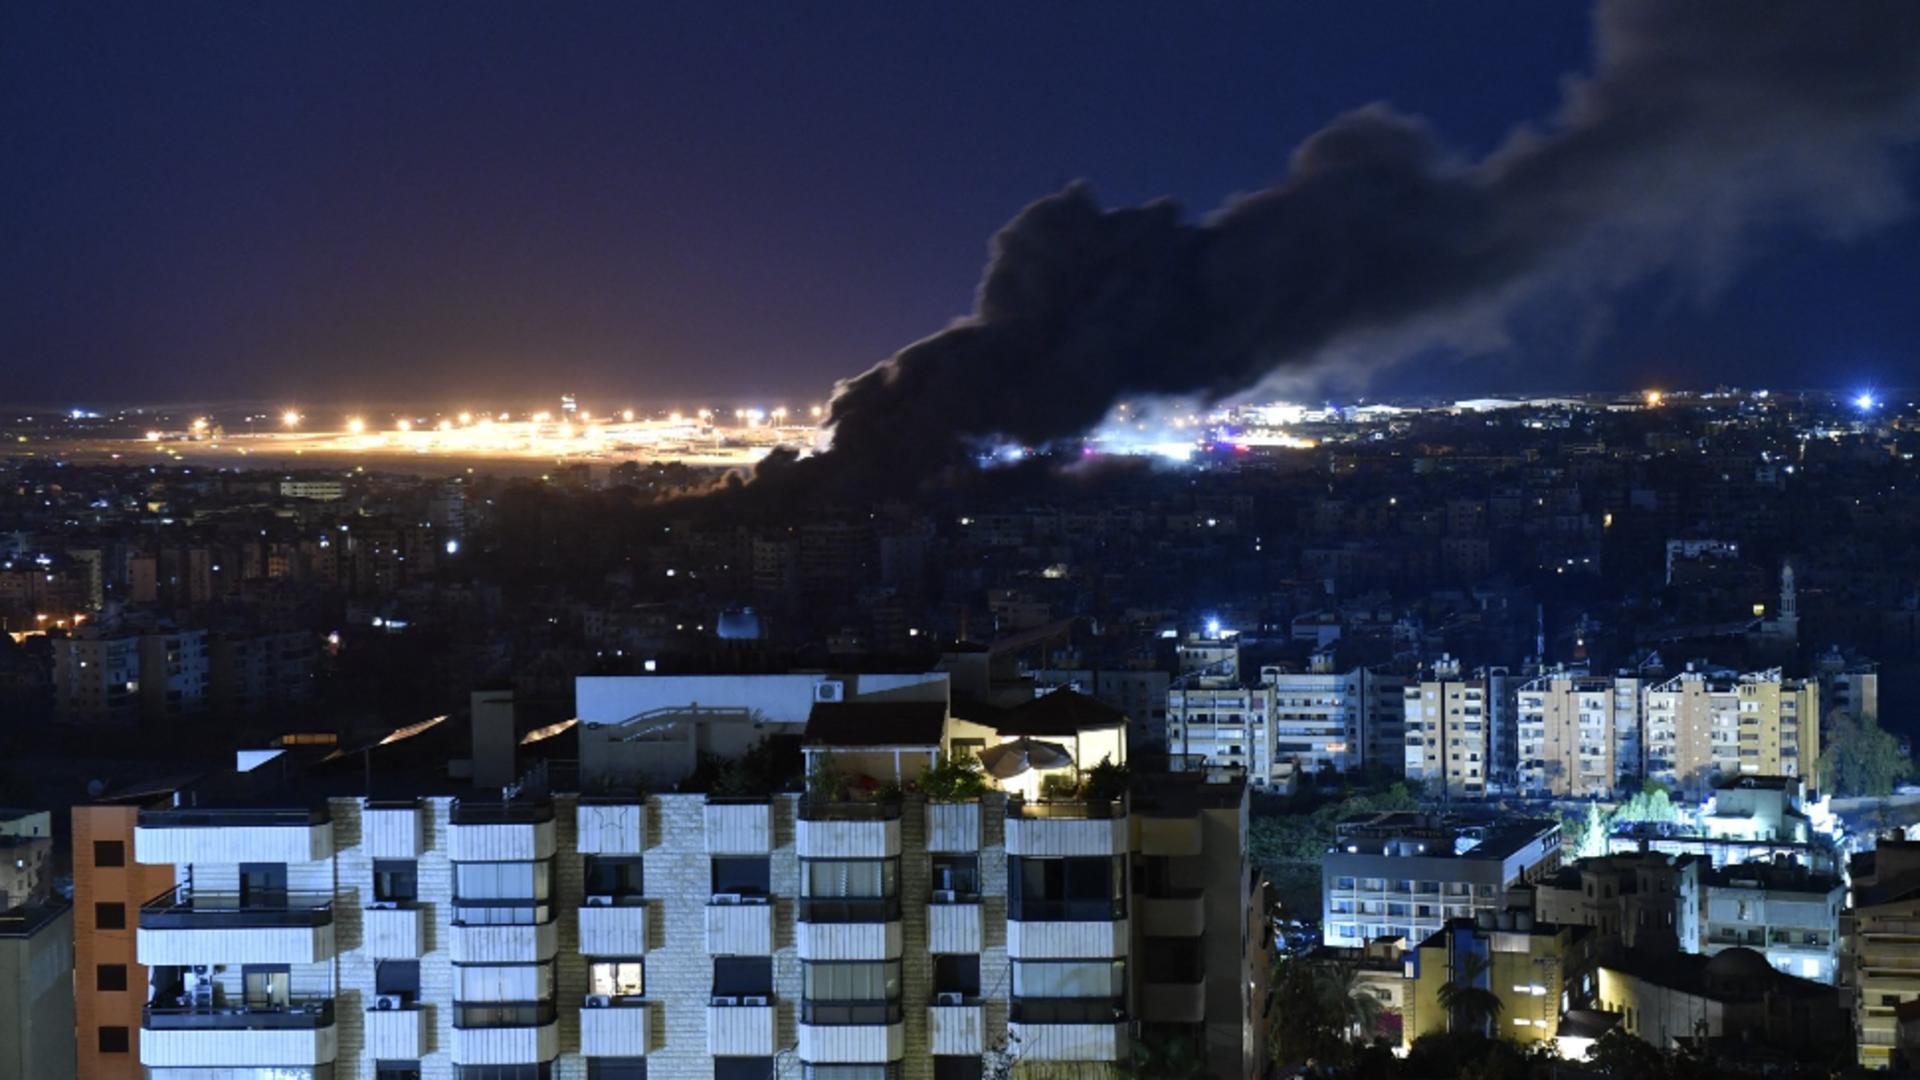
(1880,946)
(1579,734)
(851,932)
(1701,725)
(1449,727)
(1403,875)
(109,887)
(36,954)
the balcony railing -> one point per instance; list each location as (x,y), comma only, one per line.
(1067,809)
(217,817)
(850,1012)
(518,812)
(297,1016)
(1067,1010)
(812,809)
(503,1014)
(820,909)
(184,908)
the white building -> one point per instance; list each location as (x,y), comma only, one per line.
(1784,911)
(1403,875)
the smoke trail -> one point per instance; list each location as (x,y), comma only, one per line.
(1701,121)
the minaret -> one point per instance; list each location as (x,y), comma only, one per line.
(1789,620)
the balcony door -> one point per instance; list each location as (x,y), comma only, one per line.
(267,986)
(263,885)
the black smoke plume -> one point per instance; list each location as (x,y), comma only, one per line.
(1701,122)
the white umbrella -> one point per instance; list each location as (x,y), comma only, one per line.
(1010,759)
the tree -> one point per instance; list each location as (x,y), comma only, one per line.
(1469,1007)
(1862,758)
(1166,1056)
(1621,1055)
(1652,803)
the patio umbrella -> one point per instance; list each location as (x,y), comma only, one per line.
(1010,759)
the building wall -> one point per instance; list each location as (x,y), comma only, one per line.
(1449,726)
(36,999)
(128,885)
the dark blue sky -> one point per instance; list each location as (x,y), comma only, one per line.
(483,201)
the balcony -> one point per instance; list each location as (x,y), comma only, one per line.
(185,835)
(739,826)
(616,928)
(508,943)
(851,940)
(614,1027)
(611,824)
(185,927)
(848,830)
(956,1029)
(954,927)
(505,1033)
(740,1030)
(851,1032)
(517,831)
(742,926)
(1173,1003)
(301,1036)
(393,829)
(398,1034)
(1179,914)
(1068,1029)
(953,826)
(391,931)
(1069,939)
(1067,827)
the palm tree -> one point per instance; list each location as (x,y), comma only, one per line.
(1470,1007)
(1354,1004)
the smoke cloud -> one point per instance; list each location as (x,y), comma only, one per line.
(1701,122)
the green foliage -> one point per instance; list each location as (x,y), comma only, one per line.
(1289,840)
(1165,1056)
(826,783)
(1062,786)
(1652,803)
(768,766)
(1586,830)
(1862,758)
(1625,1057)
(1470,1008)
(1107,781)
(954,779)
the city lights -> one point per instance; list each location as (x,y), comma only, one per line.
(290,418)
(1865,401)
(356,426)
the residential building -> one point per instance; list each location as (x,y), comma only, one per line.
(1579,735)
(1639,901)
(173,673)
(109,887)
(1749,819)
(1405,875)
(1703,726)
(1141,694)
(96,676)
(36,954)
(1782,910)
(1225,722)
(1880,945)
(1849,687)
(1449,724)
(1536,970)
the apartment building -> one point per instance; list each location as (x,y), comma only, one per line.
(109,887)
(1405,875)
(853,931)
(1226,723)
(1702,725)
(1449,731)
(96,676)
(1646,901)
(1537,971)
(1880,946)
(1579,735)
(36,954)
(1784,911)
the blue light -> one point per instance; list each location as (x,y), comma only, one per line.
(1865,401)
(1213,628)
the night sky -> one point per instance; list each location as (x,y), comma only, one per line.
(665,202)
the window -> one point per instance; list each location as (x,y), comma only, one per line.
(956,1068)
(267,986)
(1103,979)
(110,917)
(742,876)
(1066,889)
(742,1068)
(617,978)
(957,974)
(849,890)
(851,992)
(263,885)
(498,894)
(542,1071)
(109,853)
(616,1069)
(618,876)
(743,976)
(957,874)
(396,1070)
(115,1040)
(502,1014)
(110,977)
(396,881)
(1173,960)
(398,978)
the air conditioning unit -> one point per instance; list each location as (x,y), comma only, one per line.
(745,899)
(726,898)
(945,896)
(949,999)
(829,690)
(388,1002)
(598,1001)
(599,901)
(717,1000)
(202,969)
(385,905)
(756,1001)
